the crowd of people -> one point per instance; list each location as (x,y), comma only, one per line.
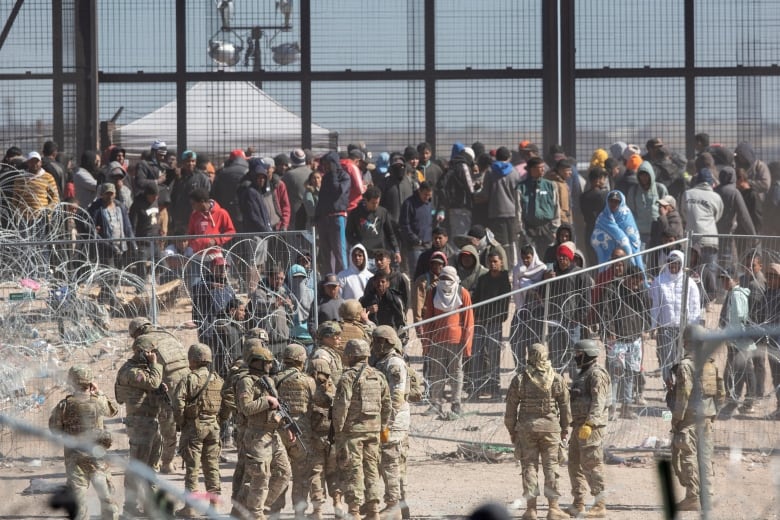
(414,246)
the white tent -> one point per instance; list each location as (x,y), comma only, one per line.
(223,116)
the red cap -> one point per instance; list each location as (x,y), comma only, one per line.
(219,260)
(235,154)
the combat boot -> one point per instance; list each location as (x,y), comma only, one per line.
(530,510)
(627,413)
(316,513)
(599,510)
(339,510)
(689,503)
(187,512)
(392,511)
(577,508)
(554,512)
(373,511)
(353,513)
(167,468)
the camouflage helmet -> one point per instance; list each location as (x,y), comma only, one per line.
(249,344)
(537,353)
(295,352)
(80,376)
(258,353)
(137,324)
(387,333)
(199,353)
(350,310)
(691,335)
(590,347)
(329,329)
(145,343)
(319,366)
(257,333)
(357,348)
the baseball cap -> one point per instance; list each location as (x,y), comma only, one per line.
(107,187)
(527,146)
(331,279)
(667,200)
(438,256)
(235,154)
(33,155)
(159,145)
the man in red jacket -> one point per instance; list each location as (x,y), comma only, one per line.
(208,218)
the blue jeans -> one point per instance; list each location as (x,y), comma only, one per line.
(332,242)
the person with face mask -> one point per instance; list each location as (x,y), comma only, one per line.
(590,394)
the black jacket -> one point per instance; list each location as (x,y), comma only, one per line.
(373,229)
(225,187)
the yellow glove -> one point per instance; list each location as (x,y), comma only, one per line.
(384,435)
(585,431)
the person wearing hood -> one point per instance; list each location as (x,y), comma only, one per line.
(331,214)
(739,372)
(666,292)
(189,179)
(224,189)
(354,279)
(455,192)
(85,178)
(702,208)
(756,182)
(736,216)
(447,340)
(615,227)
(208,218)
(529,311)
(592,202)
(499,190)
(468,267)
(302,296)
(564,233)
(642,199)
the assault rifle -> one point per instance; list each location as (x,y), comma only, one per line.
(284,413)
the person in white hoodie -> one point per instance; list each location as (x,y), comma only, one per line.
(354,278)
(529,311)
(666,293)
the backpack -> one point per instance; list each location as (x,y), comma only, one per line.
(453,188)
(415,390)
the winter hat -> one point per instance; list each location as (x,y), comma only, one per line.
(598,158)
(237,153)
(634,162)
(616,149)
(630,150)
(383,162)
(438,256)
(567,249)
(298,157)
(704,175)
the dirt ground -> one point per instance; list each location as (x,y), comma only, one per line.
(442,483)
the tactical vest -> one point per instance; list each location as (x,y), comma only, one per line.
(294,388)
(229,392)
(136,400)
(170,354)
(365,407)
(81,415)
(322,401)
(263,421)
(537,402)
(581,398)
(351,330)
(711,384)
(334,360)
(209,400)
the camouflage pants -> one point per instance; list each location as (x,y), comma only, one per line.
(586,463)
(238,472)
(684,457)
(266,472)
(145,446)
(357,455)
(168,433)
(200,446)
(531,446)
(393,466)
(323,469)
(81,471)
(301,467)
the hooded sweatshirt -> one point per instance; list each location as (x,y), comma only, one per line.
(500,190)
(644,204)
(468,277)
(214,222)
(736,217)
(334,191)
(734,315)
(352,279)
(666,295)
(701,209)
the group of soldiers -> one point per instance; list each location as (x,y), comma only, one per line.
(540,408)
(333,423)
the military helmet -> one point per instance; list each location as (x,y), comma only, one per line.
(319,366)
(257,333)
(259,353)
(145,343)
(357,348)
(537,353)
(590,347)
(250,343)
(199,353)
(136,324)
(295,352)
(691,333)
(329,329)
(350,310)
(80,375)
(387,333)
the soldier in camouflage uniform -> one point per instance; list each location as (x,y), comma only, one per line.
(538,417)
(690,395)
(388,349)
(267,468)
(173,358)
(361,410)
(322,455)
(81,414)
(352,324)
(296,389)
(329,348)
(137,385)
(590,395)
(197,401)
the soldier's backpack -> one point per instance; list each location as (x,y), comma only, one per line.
(415,390)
